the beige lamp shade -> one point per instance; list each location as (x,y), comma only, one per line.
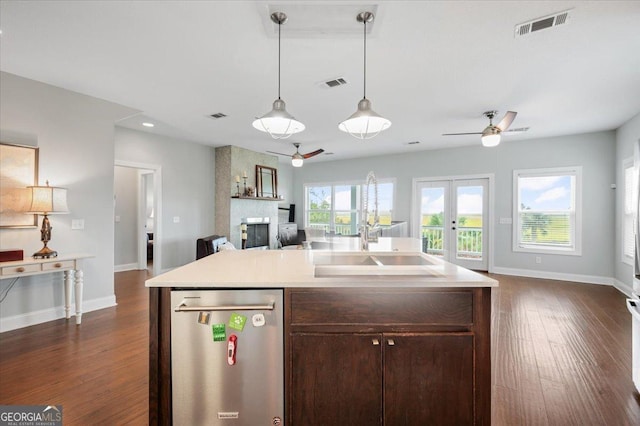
(48,200)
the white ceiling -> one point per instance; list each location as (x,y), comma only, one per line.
(433,66)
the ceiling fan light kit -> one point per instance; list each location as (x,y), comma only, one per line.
(491,135)
(364,123)
(278,122)
(297,159)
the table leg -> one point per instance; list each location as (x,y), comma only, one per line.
(79,275)
(68,275)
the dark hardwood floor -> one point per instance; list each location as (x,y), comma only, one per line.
(561,356)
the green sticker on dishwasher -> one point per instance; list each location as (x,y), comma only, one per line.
(219,334)
(236,321)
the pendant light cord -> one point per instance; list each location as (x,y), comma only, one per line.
(279,27)
(365,60)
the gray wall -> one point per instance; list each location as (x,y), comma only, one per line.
(188,171)
(126,212)
(626,137)
(75,135)
(595,152)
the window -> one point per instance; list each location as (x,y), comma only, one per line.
(338,207)
(630,201)
(547,210)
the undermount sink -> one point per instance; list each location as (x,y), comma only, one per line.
(344,259)
(371,264)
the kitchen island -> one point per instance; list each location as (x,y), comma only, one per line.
(387,336)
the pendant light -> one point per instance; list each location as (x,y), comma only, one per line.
(364,123)
(278,122)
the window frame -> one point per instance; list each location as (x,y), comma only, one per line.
(333,211)
(576,249)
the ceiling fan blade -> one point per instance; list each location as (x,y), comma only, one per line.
(518,130)
(279,153)
(312,154)
(456,134)
(507,120)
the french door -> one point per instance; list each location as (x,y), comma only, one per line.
(451,218)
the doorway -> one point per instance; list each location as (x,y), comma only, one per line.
(451,217)
(147,211)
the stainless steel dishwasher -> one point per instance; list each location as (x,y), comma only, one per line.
(227,357)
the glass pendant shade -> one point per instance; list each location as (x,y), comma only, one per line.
(297,160)
(364,123)
(490,136)
(278,122)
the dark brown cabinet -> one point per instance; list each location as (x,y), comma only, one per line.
(390,364)
(366,356)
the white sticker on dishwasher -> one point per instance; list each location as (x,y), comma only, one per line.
(258,320)
(227,415)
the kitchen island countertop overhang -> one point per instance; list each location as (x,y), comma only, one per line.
(299,268)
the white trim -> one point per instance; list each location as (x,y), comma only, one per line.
(414,211)
(576,250)
(51,314)
(157,206)
(127,267)
(548,275)
(626,164)
(624,288)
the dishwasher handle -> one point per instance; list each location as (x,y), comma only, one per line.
(182,307)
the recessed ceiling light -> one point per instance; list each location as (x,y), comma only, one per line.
(147,124)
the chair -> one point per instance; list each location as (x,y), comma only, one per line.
(209,245)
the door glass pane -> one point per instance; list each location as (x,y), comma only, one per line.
(319,207)
(469,222)
(432,220)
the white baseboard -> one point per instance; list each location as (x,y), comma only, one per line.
(126,267)
(560,276)
(45,315)
(624,288)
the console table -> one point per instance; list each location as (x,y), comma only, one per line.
(69,264)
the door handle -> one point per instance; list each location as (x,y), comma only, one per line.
(375,342)
(390,342)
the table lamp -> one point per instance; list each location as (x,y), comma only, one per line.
(46,200)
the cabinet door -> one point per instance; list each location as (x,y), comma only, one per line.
(428,379)
(336,379)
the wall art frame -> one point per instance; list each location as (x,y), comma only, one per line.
(18,169)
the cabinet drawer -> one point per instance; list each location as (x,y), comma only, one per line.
(19,270)
(67,264)
(351,306)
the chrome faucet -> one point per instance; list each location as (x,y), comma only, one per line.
(369,232)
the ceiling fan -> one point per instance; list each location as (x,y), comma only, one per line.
(491,134)
(297,159)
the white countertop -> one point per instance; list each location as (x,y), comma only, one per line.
(295,268)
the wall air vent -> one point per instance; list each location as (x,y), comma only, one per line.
(550,21)
(217,115)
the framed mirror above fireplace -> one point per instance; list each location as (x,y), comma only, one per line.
(266,182)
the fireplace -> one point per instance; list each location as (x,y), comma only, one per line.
(257,233)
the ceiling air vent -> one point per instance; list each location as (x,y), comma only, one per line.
(217,115)
(550,21)
(335,82)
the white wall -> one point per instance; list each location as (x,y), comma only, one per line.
(595,152)
(75,135)
(626,137)
(188,171)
